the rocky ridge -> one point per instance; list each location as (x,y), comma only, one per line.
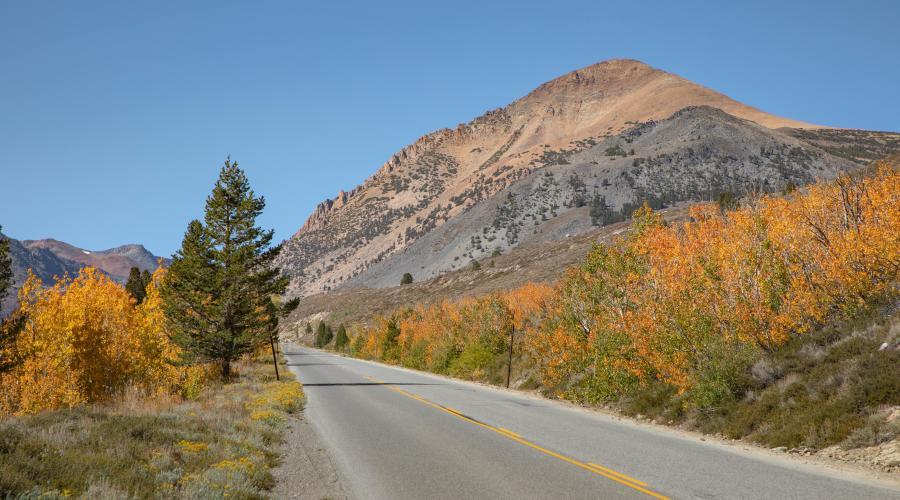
(598,140)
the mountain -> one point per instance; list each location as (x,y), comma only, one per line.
(115,262)
(580,151)
(48,258)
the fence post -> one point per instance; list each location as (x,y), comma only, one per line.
(512,334)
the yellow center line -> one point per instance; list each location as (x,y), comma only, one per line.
(507,431)
(623,476)
(596,469)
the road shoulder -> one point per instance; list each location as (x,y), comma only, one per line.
(307,470)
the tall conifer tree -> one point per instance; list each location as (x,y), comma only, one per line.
(6,276)
(9,327)
(146,278)
(221,288)
(341,340)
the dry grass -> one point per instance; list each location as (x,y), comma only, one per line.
(220,445)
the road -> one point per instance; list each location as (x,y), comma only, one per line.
(398,434)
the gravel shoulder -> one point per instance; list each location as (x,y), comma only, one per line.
(307,470)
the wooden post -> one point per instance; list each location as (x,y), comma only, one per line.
(274,357)
(512,334)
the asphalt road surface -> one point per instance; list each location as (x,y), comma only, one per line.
(397,434)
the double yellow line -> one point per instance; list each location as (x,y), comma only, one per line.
(592,467)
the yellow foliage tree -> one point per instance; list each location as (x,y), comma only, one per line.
(84,340)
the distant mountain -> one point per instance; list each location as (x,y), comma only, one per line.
(48,258)
(582,150)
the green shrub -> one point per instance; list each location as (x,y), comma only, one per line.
(415,356)
(877,430)
(472,362)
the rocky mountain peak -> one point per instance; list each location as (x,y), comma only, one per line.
(527,150)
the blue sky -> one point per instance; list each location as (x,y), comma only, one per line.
(115,118)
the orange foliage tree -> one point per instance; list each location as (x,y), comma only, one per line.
(692,305)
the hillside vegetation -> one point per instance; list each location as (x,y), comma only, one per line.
(748,321)
(542,262)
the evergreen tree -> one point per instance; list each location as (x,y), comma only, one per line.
(601,213)
(136,285)
(221,288)
(6,276)
(146,278)
(341,340)
(389,345)
(406,279)
(323,334)
(9,327)
(320,334)
(727,201)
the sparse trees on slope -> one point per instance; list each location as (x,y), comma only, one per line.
(220,290)
(601,214)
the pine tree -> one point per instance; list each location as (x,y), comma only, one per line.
(6,276)
(320,334)
(406,279)
(323,334)
(135,285)
(341,340)
(329,334)
(221,286)
(9,327)
(146,278)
